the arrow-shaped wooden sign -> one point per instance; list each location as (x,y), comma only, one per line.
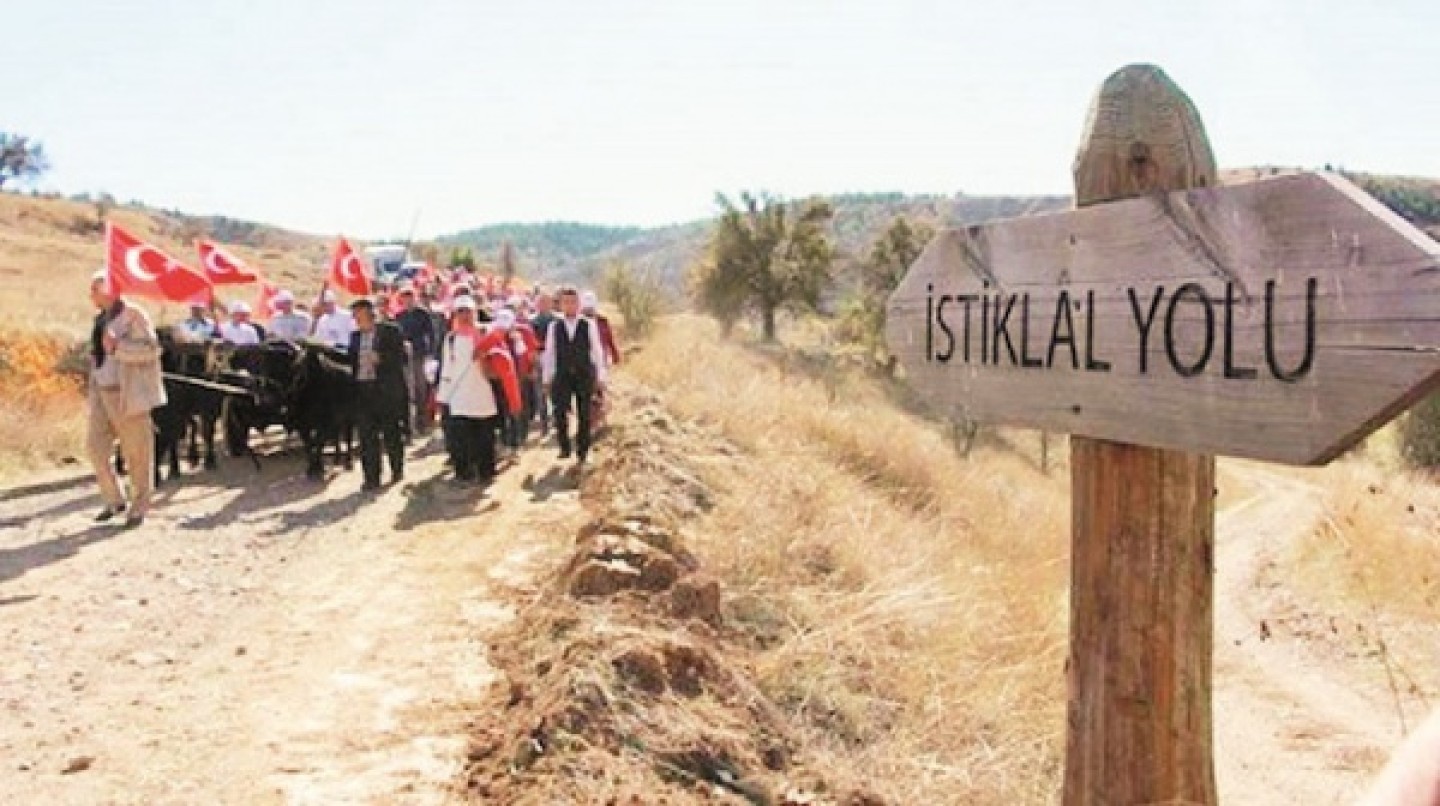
(1283,319)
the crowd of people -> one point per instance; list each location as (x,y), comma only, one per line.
(490,364)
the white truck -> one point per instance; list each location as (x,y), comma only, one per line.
(386,261)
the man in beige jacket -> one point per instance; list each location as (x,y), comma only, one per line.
(125,384)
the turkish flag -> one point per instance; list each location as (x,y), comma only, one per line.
(347,270)
(138,268)
(222,267)
(265,303)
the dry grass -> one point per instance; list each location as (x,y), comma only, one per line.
(1378,550)
(41,408)
(50,247)
(910,603)
(1374,563)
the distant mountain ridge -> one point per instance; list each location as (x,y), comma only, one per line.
(547,243)
(573,252)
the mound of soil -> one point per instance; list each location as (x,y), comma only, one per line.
(624,683)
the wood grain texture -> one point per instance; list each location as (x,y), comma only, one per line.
(1251,252)
(1139,727)
(1143,521)
(1142,134)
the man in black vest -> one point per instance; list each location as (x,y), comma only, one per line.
(573,367)
(377,362)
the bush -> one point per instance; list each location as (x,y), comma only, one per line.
(1420,433)
(639,299)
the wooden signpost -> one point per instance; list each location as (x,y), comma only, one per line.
(1166,321)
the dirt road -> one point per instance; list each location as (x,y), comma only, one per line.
(262,638)
(1293,724)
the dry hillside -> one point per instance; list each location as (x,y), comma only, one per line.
(50,247)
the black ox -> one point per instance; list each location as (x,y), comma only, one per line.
(323,402)
(265,373)
(192,409)
(306,389)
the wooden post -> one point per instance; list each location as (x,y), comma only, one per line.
(1281,319)
(1141,611)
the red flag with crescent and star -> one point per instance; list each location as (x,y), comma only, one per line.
(138,268)
(265,302)
(222,267)
(347,270)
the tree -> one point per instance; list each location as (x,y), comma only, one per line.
(717,294)
(638,298)
(766,257)
(21,159)
(463,257)
(863,319)
(892,254)
(507,260)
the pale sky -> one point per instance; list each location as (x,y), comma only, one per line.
(346,116)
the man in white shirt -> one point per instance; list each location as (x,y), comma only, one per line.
(238,331)
(198,327)
(334,324)
(573,368)
(288,323)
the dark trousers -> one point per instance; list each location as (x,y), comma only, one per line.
(514,425)
(541,406)
(378,418)
(530,395)
(502,421)
(447,433)
(580,390)
(473,441)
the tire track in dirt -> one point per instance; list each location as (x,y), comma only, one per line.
(1291,726)
(261,639)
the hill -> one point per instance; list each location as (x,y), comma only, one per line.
(551,243)
(570,252)
(49,247)
(1415,199)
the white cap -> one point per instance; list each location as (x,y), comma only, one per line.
(463,303)
(589,300)
(199,302)
(328,296)
(283,296)
(515,301)
(102,278)
(504,319)
(239,307)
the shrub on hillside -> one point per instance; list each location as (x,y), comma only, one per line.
(41,402)
(638,298)
(862,318)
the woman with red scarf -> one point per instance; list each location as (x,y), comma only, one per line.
(505,376)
